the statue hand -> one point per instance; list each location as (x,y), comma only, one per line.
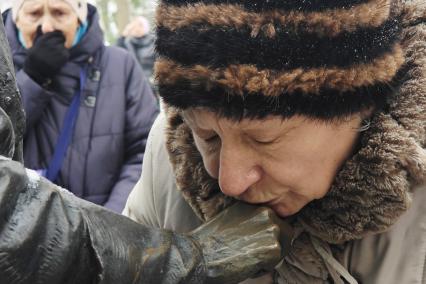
(242,241)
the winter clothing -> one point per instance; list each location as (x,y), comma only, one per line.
(255,58)
(103,162)
(79,7)
(392,257)
(260,58)
(46,57)
(144,51)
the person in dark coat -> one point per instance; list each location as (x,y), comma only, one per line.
(138,40)
(60,59)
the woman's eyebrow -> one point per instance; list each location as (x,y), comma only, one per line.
(262,129)
(60,6)
(202,130)
(32,6)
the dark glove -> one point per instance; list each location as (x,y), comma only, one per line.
(46,57)
(47,235)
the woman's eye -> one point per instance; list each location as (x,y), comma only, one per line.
(58,13)
(35,14)
(211,139)
(265,141)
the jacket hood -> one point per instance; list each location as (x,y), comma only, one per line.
(374,186)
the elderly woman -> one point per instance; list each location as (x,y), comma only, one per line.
(316,109)
(87,106)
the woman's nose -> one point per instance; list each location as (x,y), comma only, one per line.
(237,172)
(47,25)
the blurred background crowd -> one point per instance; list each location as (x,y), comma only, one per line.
(85,73)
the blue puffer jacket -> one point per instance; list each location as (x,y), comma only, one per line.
(117,109)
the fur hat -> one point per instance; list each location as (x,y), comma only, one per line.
(79,6)
(254,58)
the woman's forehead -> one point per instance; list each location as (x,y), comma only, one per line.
(33,3)
(203,119)
(40,3)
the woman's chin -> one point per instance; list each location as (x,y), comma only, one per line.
(284,211)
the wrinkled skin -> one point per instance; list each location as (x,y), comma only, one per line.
(47,235)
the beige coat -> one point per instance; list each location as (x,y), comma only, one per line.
(396,256)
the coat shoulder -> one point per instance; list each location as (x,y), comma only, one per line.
(397,255)
(155,200)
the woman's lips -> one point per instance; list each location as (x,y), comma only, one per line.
(274,204)
(268,203)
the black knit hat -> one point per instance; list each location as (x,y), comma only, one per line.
(251,58)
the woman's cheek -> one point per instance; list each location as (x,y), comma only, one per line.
(29,38)
(211,164)
(69,37)
(211,159)
(28,32)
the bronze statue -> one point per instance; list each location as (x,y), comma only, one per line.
(47,235)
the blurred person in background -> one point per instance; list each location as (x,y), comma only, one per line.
(88,108)
(138,39)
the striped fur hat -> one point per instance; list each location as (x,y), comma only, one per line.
(320,58)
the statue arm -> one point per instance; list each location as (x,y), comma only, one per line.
(47,235)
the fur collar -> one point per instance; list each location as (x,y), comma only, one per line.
(373,188)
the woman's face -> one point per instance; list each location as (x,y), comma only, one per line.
(283,164)
(51,15)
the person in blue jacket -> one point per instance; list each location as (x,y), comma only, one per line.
(88,107)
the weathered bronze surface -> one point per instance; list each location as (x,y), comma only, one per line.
(47,235)
(10,100)
(242,240)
